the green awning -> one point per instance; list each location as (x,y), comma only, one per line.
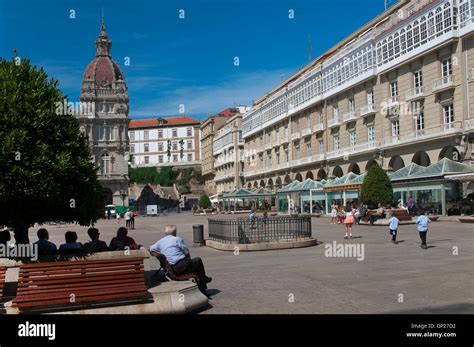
(260,192)
(296,186)
(405,172)
(289,187)
(239,193)
(443,167)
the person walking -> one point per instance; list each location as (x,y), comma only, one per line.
(252,218)
(393,223)
(349,221)
(410,205)
(357,215)
(334,210)
(132,219)
(127,219)
(118,217)
(422,222)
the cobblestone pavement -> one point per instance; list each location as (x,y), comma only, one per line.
(392,278)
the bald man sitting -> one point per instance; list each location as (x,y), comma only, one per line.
(178,256)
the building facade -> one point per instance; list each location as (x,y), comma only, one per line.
(208,130)
(228,152)
(169,141)
(106,122)
(398,90)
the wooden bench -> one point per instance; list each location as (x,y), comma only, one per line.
(402,215)
(68,284)
(169,272)
(3,271)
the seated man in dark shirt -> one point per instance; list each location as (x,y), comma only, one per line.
(95,245)
(43,243)
(122,241)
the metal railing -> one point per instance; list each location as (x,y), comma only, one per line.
(274,229)
(426,133)
(353,149)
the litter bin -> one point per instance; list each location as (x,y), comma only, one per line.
(198,235)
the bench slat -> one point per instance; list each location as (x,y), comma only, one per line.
(80,287)
(82,293)
(136,267)
(3,271)
(78,264)
(54,302)
(78,279)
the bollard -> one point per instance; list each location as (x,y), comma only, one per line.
(198,235)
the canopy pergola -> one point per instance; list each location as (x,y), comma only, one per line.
(405,172)
(350,181)
(301,188)
(243,194)
(433,180)
(443,167)
(261,192)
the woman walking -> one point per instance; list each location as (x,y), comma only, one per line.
(349,221)
(334,209)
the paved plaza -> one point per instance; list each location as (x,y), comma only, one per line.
(392,278)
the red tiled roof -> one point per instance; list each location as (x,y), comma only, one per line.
(153,122)
(180,120)
(139,123)
(227,112)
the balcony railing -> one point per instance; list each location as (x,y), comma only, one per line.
(393,100)
(223,177)
(353,149)
(284,139)
(318,128)
(306,132)
(295,136)
(424,134)
(349,117)
(469,124)
(367,110)
(270,168)
(334,122)
(443,83)
(415,93)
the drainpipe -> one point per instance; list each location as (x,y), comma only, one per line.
(466,95)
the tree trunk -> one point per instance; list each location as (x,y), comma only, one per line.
(21,234)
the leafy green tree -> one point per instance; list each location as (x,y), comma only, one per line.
(165,176)
(46,169)
(184,190)
(376,187)
(204,201)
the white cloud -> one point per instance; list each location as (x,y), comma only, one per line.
(204,99)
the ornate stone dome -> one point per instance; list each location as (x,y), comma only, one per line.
(102,72)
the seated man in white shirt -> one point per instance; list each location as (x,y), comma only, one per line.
(178,256)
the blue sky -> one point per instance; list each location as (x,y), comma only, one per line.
(176,61)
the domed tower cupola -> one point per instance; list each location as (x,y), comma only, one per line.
(103,44)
